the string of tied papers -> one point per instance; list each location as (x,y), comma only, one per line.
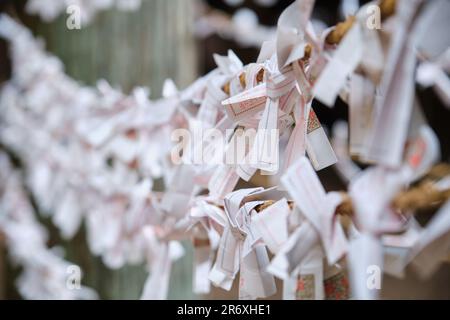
(92,154)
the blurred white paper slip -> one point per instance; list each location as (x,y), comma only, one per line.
(294,250)
(223,181)
(169,90)
(68,215)
(279,84)
(272,193)
(430,74)
(246,103)
(233,201)
(176,199)
(202,265)
(371,193)
(318,207)
(10,29)
(360,104)
(291,30)
(230,64)
(229,253)
(265,151)
(271,224)
(254,280)
(346,168)
(318,147)
(246,171)
(194,93)
(209,108)
(307,281)
(405,13)
(343,62)
(397,248)
(393,112)
(96,131)
(267,50)
(372,60)
(227,261)
(246,228)
(431,30)
(160,256)
(123,148)
(434,243)
(365,262)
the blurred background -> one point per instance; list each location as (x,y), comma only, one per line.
(176,39)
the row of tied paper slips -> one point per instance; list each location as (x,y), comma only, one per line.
(92,154)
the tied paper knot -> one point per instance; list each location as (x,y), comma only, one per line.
(274,99)
(317,206)
(239,250)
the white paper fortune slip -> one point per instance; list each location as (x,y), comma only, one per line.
(176,199)
(229,253)
(246,104)
(294,251)
(365,261)
(431,30)
(432,71)
(161,256)
(271,224)
(393,110)
(430,74)
(371,193)
(239,249)
(361,101)
(318,146)
(397,249)
(209,108)
(317,206)
(255,281)
(265,154)
(433,245)
(344,61)
(291,32)
(346,168)
(202,265)
(372,60)
(306,283)
(223,181)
